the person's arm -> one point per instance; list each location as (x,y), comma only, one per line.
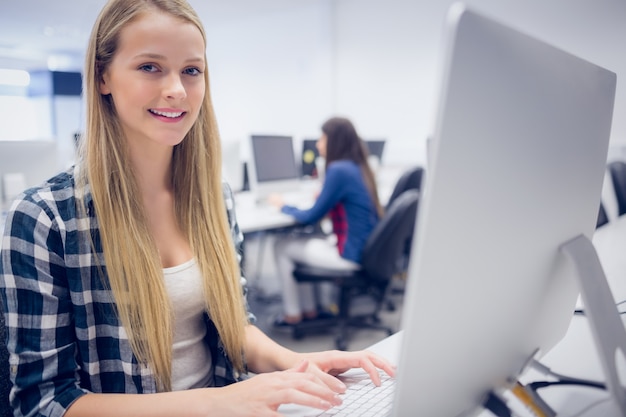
(180,403)
(284,377)
(259,396)
(332,192)
(38,308)
(265,355)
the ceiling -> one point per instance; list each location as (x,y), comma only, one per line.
(38,33)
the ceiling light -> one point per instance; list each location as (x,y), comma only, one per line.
(16,78)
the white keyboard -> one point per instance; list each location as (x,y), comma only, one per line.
(364,399)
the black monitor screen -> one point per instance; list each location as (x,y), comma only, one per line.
(274,158)
(309,154)
(376,147)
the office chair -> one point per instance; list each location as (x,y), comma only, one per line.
(411,179)
(617,169)
(361,292)
(602,216)
(5,383)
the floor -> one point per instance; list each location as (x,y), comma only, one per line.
(265,303)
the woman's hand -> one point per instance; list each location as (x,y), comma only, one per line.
(276,200)
(328,364)
(261,395)
(308,378)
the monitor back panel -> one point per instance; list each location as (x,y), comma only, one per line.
(518,160)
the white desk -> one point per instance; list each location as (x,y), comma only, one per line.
(254,217)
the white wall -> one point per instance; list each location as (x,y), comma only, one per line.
(68,114)
(285,66)
(388,55)
(34,160)
(25,118)
(271,72)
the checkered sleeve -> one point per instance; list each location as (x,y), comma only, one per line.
(237,237)
(38,310)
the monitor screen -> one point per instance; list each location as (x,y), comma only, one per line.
(376,147)
(274,158)
(309,155)
(517,164)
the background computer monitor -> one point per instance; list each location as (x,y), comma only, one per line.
(309,168)
(376,147)
(308,157)
(273,165)
(518,159)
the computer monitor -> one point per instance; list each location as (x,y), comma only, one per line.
(376,147)
(273,165)
(518,159)
(309,157)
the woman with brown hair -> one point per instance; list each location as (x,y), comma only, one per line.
(350,198)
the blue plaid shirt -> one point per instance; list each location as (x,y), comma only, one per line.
(64,337)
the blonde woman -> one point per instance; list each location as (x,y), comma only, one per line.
(119,278)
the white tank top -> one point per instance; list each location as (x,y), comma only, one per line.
(191,356)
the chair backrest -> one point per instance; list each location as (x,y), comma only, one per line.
(5,383)
(386,244)
(409,180)
(617,169)
(602,216)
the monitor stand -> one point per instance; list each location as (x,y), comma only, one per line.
(605,322)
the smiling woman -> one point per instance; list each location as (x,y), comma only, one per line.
(128,261)
(156,80)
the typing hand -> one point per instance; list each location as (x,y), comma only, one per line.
(261,395)
(334,362)
(276,200)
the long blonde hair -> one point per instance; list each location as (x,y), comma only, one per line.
(135,274)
